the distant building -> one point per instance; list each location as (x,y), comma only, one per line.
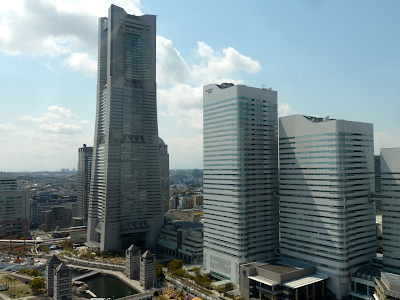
(52,263)
(390,173)
(57,217)
(164,173)
(327,215)
(148,270)
(125,203)
(14,207)
(241,213)
(83,181)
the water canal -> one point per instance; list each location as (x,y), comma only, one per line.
(106,286)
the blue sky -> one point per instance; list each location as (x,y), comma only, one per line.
(336,58)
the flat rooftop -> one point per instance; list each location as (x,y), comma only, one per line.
(281,265)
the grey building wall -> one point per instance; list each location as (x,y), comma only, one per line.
(125,204)
(164,173)
(326,179)
(85,155)
(14,207)
(240,177)
(390,172)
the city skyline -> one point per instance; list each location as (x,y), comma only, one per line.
(338,59)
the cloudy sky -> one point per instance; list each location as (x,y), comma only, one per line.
(336,58)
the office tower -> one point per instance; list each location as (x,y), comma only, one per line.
(125,191)
(390,176)
(164,173)
(83,181)
(326,179)
(15,210)
(240,177)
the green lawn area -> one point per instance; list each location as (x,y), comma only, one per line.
(17,288)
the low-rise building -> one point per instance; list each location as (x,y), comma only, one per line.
(281,279)
(183,240)
(387,287)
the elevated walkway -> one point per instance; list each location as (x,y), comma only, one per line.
(86,275)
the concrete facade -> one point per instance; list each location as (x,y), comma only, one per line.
(387,287)
(148,270)
(125,204)
(240,177)
(281,279)
(62,283)
(132,255)
(390,193)
(326,180)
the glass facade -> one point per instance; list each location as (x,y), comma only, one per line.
(125,197)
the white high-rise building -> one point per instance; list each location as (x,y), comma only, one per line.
(390,195)
(326,179)
(125,205)
(240,177)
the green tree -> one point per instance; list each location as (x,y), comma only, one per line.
(175,265)
(159,271)
(66,245)
(37,283)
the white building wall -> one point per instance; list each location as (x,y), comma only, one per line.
(326,177)
(240,177)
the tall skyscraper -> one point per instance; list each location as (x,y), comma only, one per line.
(326,180)
(390,193)
(240,177)
(83,181)
(164,173)
(125,195)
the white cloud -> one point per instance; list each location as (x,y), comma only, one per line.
(82,62)
(284,110)
(62,128)
(50,121)
(56,29)
(184,152)
(180,85)
(7,127)
(171,67)
(382,140)
(185,105)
